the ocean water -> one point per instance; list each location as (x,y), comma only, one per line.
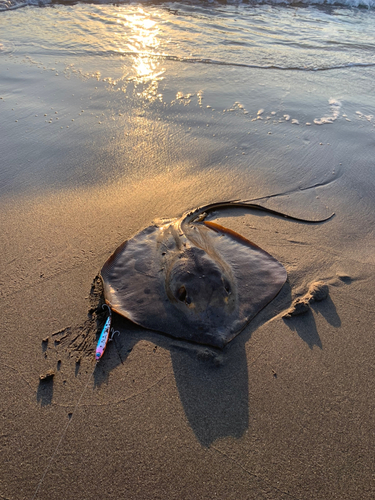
(305,36)
(241,87)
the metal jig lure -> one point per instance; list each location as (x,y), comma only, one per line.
(104,336)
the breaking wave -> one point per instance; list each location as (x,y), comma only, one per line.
(366,4)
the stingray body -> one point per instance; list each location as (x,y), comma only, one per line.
(191,278)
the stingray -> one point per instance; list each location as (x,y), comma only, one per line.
(192,278)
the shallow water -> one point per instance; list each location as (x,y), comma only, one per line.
(266,36)
(277,98)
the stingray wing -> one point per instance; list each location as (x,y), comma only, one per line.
(257,275)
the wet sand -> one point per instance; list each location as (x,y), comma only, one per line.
(286,410)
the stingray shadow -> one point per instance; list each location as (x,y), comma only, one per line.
(213,384)
(213,388)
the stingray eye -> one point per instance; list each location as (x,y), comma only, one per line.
(227,286)
(181,293)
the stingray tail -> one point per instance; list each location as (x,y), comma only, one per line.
(201,213)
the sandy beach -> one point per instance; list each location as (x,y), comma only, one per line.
(286,410)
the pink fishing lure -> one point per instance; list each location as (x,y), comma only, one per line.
(103,339)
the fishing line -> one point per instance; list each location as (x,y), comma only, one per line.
(62,436)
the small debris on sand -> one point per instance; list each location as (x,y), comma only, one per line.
(47,376)
(317,292)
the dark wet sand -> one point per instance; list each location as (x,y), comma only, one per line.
(285,411)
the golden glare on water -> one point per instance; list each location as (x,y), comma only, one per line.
(139,40)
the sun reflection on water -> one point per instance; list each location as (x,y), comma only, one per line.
(139,41)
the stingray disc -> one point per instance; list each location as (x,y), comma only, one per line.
(191,279)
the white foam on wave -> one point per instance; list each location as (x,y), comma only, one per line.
(369,4)
(17,4)
(343,3)
(335,107)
